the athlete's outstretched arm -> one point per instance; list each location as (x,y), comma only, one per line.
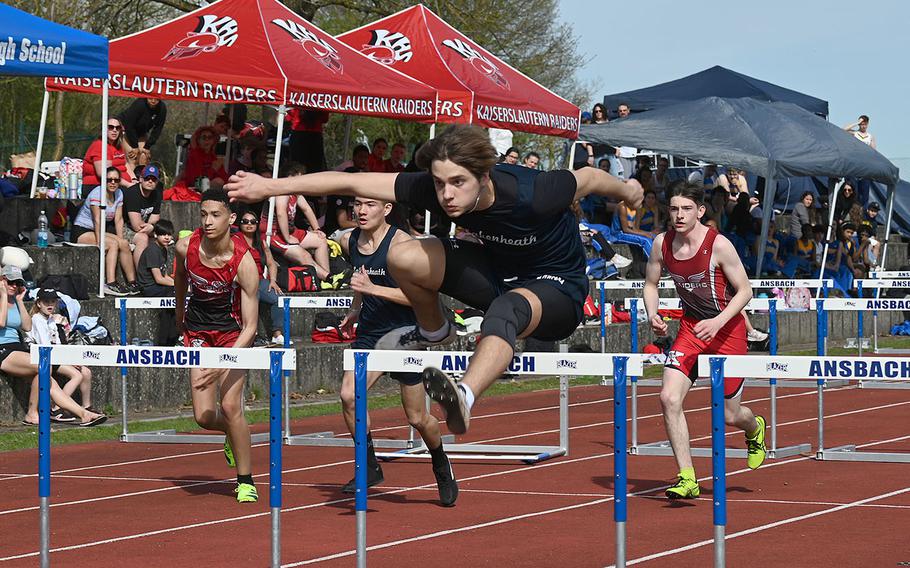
(251,188)
(180,282)
(248,279)
(652,277)
(726,258)
(595,181)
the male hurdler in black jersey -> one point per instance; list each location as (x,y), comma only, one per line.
(528,276)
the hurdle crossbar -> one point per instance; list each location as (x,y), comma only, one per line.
(541,364)
(881,281)
(169,357)
(873,305)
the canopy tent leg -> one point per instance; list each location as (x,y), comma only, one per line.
(47,98)
(103,180)
(892,189)
(426,213)
(832,203)
(282,111)
(767,211)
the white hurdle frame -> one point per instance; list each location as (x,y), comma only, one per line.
(560,364)
(900,280)
(273,360)
(823,369)
(327,439)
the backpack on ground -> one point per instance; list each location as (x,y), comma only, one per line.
(73,285)
(297,278)
(327,329)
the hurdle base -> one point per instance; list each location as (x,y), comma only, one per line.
(663,448)
(328,440)
(891,351)
(849,453)
(484,452)
(172,437)
(883,385)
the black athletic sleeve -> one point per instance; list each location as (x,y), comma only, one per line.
(417,190)
(158,196)
(553,192)
(131,201)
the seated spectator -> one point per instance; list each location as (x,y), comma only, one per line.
(869,253)
(846,199)
(268,272)
(93,169)
(871,215)
(512,156)
(155,269)
(395,163)
(840,262)
(376,159)
(299,246)
(15,360)
(46,325)
(251,153)
(532,160)
(623,231)
(661,179)
(142,123)
(360,160)
(201,162)
(307,145)
(802,261)
(716,205)
(650,217)
(599,238)
(142,208)
(87,229)
(771,263)
(803,214)
(705,177)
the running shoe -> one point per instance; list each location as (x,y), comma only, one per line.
(756,336)
(756,450)
(619,261)
(684,488)
(444,390)
(229,453)
(114,289)
(246,493)
(446,483)
(408,338)
(374,477)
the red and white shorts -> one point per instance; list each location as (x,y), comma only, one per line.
(279,243)
(210,338)
(730,340)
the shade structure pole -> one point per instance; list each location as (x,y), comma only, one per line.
(103,179)
(348,125)
(426,213)
(832,203)
(767,211)
(47,98)
(892,189)
(282,111)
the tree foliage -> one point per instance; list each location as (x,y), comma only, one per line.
(526,34)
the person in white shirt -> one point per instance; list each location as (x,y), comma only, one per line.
(860,130)
(46,331)
(626,154)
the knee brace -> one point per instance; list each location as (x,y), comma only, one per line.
(508,316)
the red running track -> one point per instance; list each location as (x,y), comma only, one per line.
(119,504)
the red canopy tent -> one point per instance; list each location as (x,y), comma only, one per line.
(260,52)
(474,85)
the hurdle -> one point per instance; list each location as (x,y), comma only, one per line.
(169,357)
(327,438)
(879,284)
(823,369)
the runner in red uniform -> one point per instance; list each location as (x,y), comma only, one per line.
(714,288)
(220,275)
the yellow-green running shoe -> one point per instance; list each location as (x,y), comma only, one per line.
(229,453)
(246,493)
(684,488)
(756,446)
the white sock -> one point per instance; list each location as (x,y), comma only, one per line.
(468,395)
(440,333)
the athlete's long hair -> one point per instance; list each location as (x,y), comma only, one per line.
(466,145)
(690,191)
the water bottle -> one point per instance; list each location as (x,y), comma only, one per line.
(42,230)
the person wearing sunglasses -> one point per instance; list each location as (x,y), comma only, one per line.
(248,223)
(142,209)
(93,169)
(87,229)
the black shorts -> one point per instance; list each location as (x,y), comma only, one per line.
(7,349)
(368,341)
(471,278)
(77,230)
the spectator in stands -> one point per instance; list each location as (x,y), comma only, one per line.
(802,261)
(15,360)
(142,208)
(869,249)
(376,159)
(860,130)
(599,114)
(155,273)
(87,229)
(716,205)
(307,144)
(803,214)
(299,246)
(650,217)
(871,215)
(532,160)
(845,201)
(201,161)
(395,163)
(661,179)
(840,262)
(360,160)
(626,154)
(93,169)
(857,215)
(252,148)
(734,181)
(268,274)
(771,263)
(46,326)
(643,172)
(624,231)
(143,122)
(338,214)
(705,177)
(512,156)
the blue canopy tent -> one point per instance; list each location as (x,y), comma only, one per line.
(35,47)
(775,140)
(714,82)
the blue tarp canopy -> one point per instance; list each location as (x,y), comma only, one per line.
(32,46)
(714,82)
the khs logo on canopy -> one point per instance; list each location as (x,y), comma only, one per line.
(388,47)
(315,46)
(211,33)
(479,62)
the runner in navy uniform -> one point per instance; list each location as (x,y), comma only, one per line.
(528,276)
(220,276)
(379,306)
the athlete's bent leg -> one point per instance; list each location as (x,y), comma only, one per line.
(413,400)
(418,266)
(735,414)
(237,429)
(347,397)
(672,394)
